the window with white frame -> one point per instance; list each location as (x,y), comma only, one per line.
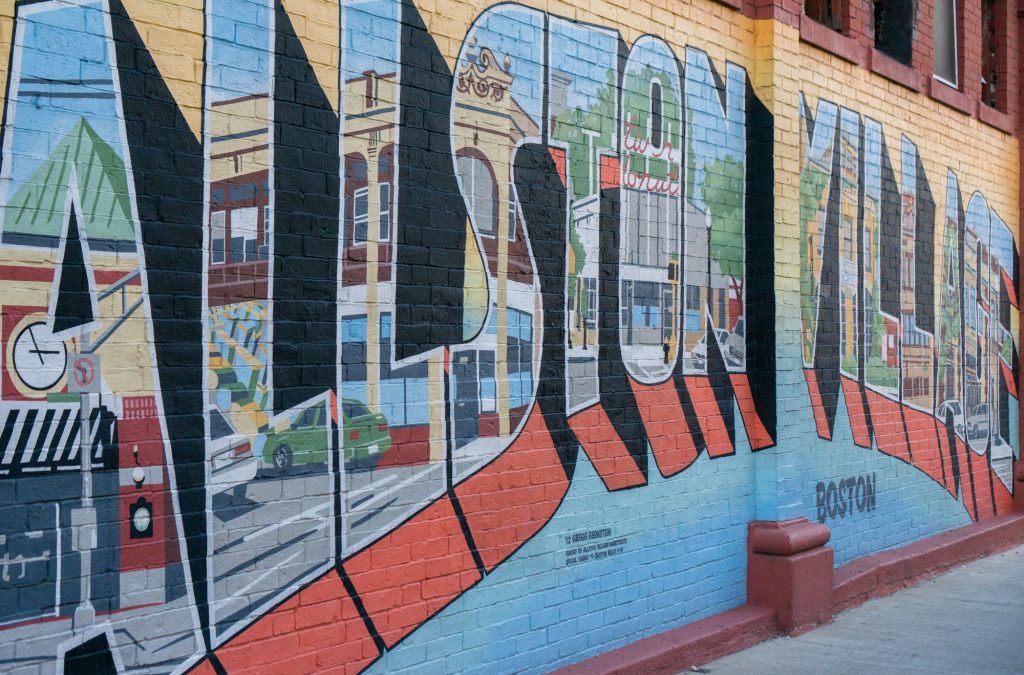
(480,192)
(385,211)
(946,57)
(360,215)
(512,210)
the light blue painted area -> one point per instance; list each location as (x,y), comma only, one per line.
(240,50)
(684,560)
(978,217)
(1001,243)
(517,32)
(372,32)
(909,504)
(586,55)
(715,117)
(66,75)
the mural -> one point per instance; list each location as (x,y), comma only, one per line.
(392,324)
(261,541)
(927,369)
(93,562)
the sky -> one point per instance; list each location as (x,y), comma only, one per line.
(58,47)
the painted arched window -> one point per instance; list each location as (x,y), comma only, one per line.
(481,192)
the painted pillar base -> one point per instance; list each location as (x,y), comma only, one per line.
(789,569)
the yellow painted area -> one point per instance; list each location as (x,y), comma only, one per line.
(173,34)
(720,31)
(316,25)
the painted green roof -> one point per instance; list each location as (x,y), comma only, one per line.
(37,208)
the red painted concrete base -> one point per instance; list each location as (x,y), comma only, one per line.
(849,585)
(889,571)
(789,569)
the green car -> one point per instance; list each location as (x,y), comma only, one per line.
(305,442)
(366,434)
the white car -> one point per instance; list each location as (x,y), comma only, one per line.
(735,345)
(232,464)
(951,408)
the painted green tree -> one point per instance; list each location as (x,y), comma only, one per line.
(636,110)
(723,193)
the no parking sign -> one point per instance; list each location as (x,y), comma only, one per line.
(84,376)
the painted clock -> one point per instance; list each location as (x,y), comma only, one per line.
(40,359)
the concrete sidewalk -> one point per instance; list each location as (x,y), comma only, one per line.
(969,620)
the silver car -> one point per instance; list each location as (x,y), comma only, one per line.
(977,421)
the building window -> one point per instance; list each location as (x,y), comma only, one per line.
(243,235)
(989,53)
(894,28)
(826,12)
(385,211)
(481,193)
(264,249)
(946,55)
(218,233)
(360,215)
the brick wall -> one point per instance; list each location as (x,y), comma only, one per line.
(472,337)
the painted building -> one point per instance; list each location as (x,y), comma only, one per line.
(389,336)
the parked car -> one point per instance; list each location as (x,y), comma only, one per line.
(977,421)
(735,345)
(951,409)
(232,464)
(304,441)
(700,350)
(366,437)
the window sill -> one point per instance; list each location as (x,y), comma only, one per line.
(894,71)
(825,38)
(735,4)
(943,93)
(995,118)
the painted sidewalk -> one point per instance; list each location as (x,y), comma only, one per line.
(967,620)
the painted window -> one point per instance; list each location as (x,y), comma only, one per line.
(513,209)
(481,193)
(243,234)
(218,234)
(385,211)
(360,215)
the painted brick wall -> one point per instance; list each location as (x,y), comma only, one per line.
(404,336)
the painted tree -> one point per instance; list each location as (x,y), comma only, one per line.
(723,194)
